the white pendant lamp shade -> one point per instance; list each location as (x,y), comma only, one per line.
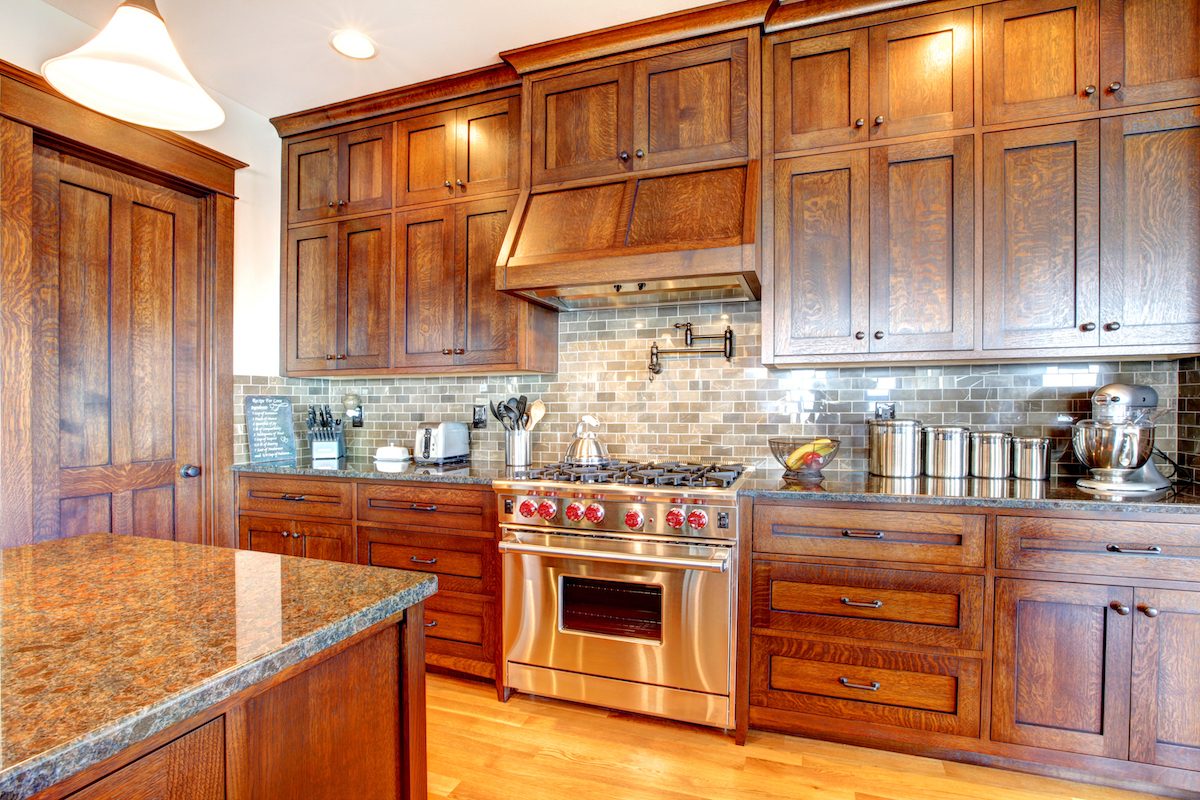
(131,71)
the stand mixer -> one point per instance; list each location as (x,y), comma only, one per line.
(1117,442)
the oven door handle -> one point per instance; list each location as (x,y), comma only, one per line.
(718,563)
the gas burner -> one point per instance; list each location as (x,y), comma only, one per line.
(651,473)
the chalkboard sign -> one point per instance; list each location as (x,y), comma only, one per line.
(269,426)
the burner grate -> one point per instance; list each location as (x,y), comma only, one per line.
(665,473)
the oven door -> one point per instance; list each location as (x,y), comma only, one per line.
(652,612)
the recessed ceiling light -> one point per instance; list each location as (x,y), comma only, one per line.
(352,44)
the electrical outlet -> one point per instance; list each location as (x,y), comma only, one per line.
(479,417)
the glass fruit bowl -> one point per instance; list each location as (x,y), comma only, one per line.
(803,456)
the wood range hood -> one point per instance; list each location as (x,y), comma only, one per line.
(645,240)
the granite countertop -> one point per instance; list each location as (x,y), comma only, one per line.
(107,640)
(859,487)
(477,471)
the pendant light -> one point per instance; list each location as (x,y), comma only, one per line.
(131,71)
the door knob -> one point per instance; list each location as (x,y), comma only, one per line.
(1087,327)
(330,204)
(189,471)
(1113,326)
(879,120)
(446,351)
(1089,90)
(459,182)
(1115,86)
(640,154)
(341,203)
(1119,607)
(448,185)
(878,334)
(624,155)
(1149,611)
(858,123)
(860,335)
(330,357)
(458,351)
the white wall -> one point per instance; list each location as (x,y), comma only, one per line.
(32,31)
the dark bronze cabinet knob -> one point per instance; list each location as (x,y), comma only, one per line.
(1120,608)
(879,120)
(446,351)
(1113,326)
(459,182)
(639,153)
(1087,327)
(189,471)
(1089,90)
(1115,86)
(878,334)
(858,123)
(341,203)
(624,155)
(341,356)
(860,336)
(330,204)
(458,351)
(447,184)
(1149,611)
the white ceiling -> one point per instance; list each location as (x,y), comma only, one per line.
(273,56)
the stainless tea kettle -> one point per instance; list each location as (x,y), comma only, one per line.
(586,449)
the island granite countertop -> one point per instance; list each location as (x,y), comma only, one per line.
(108,640)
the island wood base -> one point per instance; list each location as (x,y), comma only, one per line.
(348,722)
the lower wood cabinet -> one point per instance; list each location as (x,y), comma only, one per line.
(190,768)
(330,541)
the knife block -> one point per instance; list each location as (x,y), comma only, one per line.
(328,448)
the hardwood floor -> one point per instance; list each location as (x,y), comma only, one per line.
(532,748)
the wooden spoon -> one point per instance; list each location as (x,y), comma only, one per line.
(537,410)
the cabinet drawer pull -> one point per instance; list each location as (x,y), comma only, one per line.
(296,497)
(1089,90)
(1152,550)
(873,687)
(863,534)
(1115,86)
(1149,611)
(416,560)
(421,507)
(1119,607)
(431,624)
(846,601)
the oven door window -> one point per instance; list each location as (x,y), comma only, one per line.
(611,608)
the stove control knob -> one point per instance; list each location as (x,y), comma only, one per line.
(574,512)
(528,508)
(634,519)
(547,510)
(697,519)
(594,513)
(675,518)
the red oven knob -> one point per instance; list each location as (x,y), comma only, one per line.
(594,513)
(547,510)
(697,519)
(574,512)
(528,508)
(633,519)
(675,517)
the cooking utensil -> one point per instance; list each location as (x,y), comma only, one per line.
(514,417)
(536,411)
(522,404)
(502,419)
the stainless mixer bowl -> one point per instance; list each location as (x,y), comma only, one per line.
(1112,445)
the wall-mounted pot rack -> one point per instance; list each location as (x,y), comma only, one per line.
(656,352)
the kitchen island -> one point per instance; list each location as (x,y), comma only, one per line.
(207,672)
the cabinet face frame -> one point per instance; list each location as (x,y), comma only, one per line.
(1157,660)
(854,43)
(622,118)
(1115,52)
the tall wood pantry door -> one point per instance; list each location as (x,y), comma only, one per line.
(118,352)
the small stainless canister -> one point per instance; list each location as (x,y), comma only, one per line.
(1031,458)
(895,447)
(946,449)
(991,454)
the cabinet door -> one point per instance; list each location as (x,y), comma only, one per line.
(487,146)
(582,124)
(1061,666)
(191,767)
(265,535)
(1040,59)
(821,279)
(1150,234)
(426,148)
(364,292)
(324,540)
(923,246)
(310,338)
(922,75)
(820,87)
(486,331)
(365,169)
(690,107)
(1149,51)
(1165,728)
(313,179)
(1041,237)
(425,289)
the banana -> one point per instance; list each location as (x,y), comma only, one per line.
(819,446)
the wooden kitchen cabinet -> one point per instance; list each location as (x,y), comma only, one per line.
(458,153)
(336,298)
(1165,727)
(329,541)
(1149,51)
(820,88)
(332,176)
(191,767)
(682,107)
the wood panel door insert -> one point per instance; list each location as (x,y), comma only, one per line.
(1165,724)
(266,534)
(1061,666)
(821,260)
(1041,209)
(426,289)
(365,169)
(312,179)
(364,288)
(582,124)
(426,149)
(311,299)
(923,246)
(820,87)
(1149,51)
(488,144)
(485,319)
(1150,228)
(119,384)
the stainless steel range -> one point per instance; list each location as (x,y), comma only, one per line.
(620,586)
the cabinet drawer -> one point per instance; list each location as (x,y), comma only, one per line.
(465,636)
(460,562)
(427,507)
(459,620)
(891,605)
(908,536)
(1099,547)
(889,687)
(296,496)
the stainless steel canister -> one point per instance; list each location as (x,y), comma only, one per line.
(1031,458)
(946,449)
(991,454)
(895,447)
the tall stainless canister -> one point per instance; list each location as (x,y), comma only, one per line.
(895,447)
(991,454)
(946,448)
(1031,458)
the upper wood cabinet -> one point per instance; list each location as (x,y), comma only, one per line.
(909,77)
(684,107)
(337,286)
(1149,51)
(349,173)
(458,153)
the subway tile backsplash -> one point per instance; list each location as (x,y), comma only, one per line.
(700,407)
